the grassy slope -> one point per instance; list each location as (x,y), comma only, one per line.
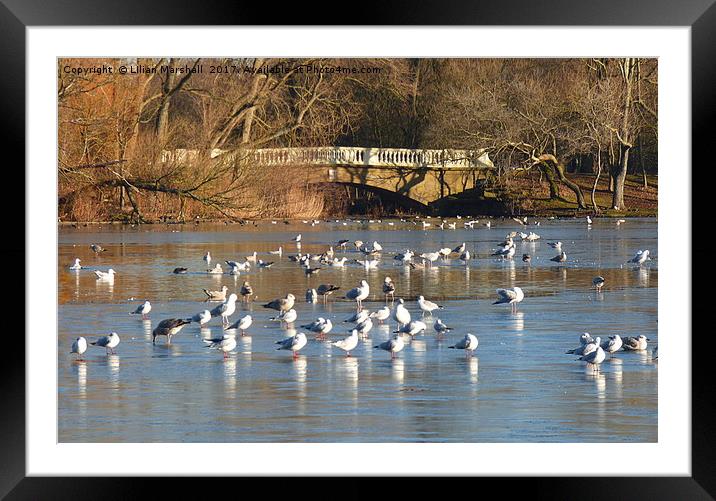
(533,196)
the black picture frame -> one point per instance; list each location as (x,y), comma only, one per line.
(700,15)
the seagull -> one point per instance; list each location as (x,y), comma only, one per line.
(431,256)
(278,252)
(264,264)
(108,342)
(225,309)
(635,343)
(510,296)
(293,343)
(613,344)
(459,249)
(348,344)
(555,245)
(169,327)
(586,338)
(180,271)
(242,324)
(357,317)
(468,343)
(393,345)
(311,271)
(506,250)
(413,328)
(108,275)
(358,294)
(246,291)
(143,309)
(381,314)
(342,243)
(216,295)
(368,264)
(640,257)
(561,258)
(526,258)
(388,289)
(365,326)
(97,248)
(297,238)
(465,256)
(440,327)
(598,283)
(79,346)
(589,220)
(207,259)
(445,252)
(311,296)
(401,313)
(531,237)
(587,347)
(594,357)
(77,265)
(282,304)
(326,290)
(317,325)
(428,306)
(216,270)
(340,263)
(202,318)
(252,257)
(226,343)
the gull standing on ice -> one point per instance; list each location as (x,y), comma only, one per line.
(108,275)
(207,259)
(169,327)
(381,314)
(393,345)
(389,289)
(640,257)
(413,328)
(440,327)
(594,357)
(401,313)
(216,295)
(246,291)
(358,294)
(598,283)
(613,344)
(225,309)
(202,318)
(510,296)
(635,343)
(468,343)
(79,346)
(282,304)
(77,265)
(143,310)
(242,324)
(428,306)
(226,343)
(293,343)
(109,343)
(348,344)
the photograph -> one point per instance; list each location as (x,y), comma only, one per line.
(358,250)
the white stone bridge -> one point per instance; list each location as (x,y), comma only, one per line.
(422,175)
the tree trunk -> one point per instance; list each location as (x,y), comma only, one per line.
(553,186)
(596,179)
(620,178)
(628,66)
(641,162)
(559,169)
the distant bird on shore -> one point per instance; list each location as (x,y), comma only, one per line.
(297,238)
(393,345)
(216,295)
(311,296)
(207,259)
(180,271)
(459,249)
(169,327)
(278,252)
(293,343)
(265,264)
(79,346)
(589,220)
(526,258)
(143,309)
(555,245)
(510,296)
(468,343)
(77,265)
(97,248)
(311,271)
(109,343)
(342,243)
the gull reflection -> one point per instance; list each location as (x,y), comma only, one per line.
(113,364)
(350,366)
(147,329)
(290,332)
(616,369)
(245,342)
(472,366)
(230,377)
(299,370)
(81,366)
(599,378)
(644,277)
(517,321)
(77,284)
(419,348)
(398,370)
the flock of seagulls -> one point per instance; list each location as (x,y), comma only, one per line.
(591,350)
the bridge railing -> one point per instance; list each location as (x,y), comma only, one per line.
(346,156)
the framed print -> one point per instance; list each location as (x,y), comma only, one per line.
(367,251)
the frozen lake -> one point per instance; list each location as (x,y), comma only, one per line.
(520,386)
